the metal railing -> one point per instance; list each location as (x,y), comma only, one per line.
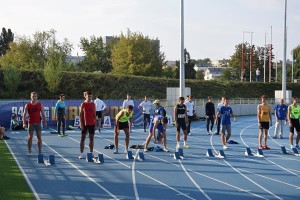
(202,102)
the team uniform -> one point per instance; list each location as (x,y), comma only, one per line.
(264,117)
(60,112)
(190,114)
(181,109)
(146,105)
(225,112)
(123,122)
(100,106)
(89,111)
(280,113)
(34,119)
(294,116)
(160,127)
(210,113)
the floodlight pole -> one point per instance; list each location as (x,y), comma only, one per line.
(182,73)
(284,55)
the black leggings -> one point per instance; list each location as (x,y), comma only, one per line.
(61,122)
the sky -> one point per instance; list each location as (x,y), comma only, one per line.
(212,28)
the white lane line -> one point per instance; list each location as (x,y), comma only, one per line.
(82,172)
(125,165)
(283,168)
(136,194)
(209,177)
(246,177)
(23,172)
(194,182)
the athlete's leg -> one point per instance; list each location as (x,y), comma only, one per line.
(116,137)
(39,138)
(82,140)
(126,131)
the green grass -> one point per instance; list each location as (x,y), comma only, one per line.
(12,182)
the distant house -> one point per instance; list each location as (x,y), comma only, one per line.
(170,63)
(201,67)
(213,72)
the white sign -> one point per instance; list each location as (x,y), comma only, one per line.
(106,122)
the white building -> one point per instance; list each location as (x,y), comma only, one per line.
(213,72)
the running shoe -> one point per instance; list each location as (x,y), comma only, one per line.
(186,146)
(266,147)
(225,147)
(116,151)
(291,146)
(165,149)
(178,146)
(274,137)
(80,156)
(280,137)
(190,133)
(260,147)
(64,135)
(29,154)
(297,146)
(146,149)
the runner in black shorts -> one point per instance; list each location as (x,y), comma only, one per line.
(293,118)
(181,119)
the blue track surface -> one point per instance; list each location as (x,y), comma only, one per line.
(160,176)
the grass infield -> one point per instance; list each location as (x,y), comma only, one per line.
(12,182)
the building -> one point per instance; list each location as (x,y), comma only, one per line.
(201,67)
(213,72)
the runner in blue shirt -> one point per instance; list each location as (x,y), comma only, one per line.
(225,112)
(281,118)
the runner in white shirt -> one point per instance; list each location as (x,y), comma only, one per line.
(127,102)
(100,106)
(146,107)
(190,107)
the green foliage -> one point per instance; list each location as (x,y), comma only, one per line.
(226,75)
(135,54)
(97,55)
(12,78)
(199,75)
(6,37)
(168,72)
(33,53)
(53,70)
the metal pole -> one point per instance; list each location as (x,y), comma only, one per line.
(276,66)
(292,67)
(265,57)
(182,73)
(284,55)
(270,58)
(251,54)
(243,61)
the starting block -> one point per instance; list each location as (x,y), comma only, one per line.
(296,152)
(140,156)
(209,153)
(180,151)
(176,155)
(222,153)
(283,149)
(259,153)
(51,160)
(99,159)
(129,155)
(248,152)
(40,158)
(89,157)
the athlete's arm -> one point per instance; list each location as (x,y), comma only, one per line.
(270,114)
(175,114)
(24,116)
(104,106)
(81,116)
(95,119)
(43,116)
(258,113)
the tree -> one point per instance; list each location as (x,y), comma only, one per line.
(136,54)
(6,37)
(97,55)
(226,75)
(53,70)
(33,53)
(12,78)
(257,60)
(189,64)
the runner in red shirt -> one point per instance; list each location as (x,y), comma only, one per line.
(87,121)
(34,109)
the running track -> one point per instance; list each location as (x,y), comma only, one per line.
(160,176)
